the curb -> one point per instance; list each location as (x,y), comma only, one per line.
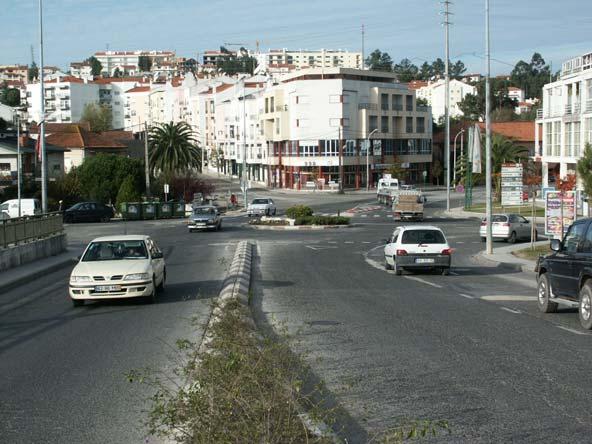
(236,287)
(521,265)
(301,227)
(5,286)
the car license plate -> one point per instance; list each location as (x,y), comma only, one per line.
(108,288)
(424,260)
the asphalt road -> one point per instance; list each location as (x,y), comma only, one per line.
(470,348)
(62,369)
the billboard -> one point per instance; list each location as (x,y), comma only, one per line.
(554,212)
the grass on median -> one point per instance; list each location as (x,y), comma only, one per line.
(246,389)
(532,254)
(524,210)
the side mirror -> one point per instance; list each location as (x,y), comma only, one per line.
(157,255)
(555,245)
(527,221)
(386,241)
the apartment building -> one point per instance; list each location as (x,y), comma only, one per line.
(435,95)
(314,119)
(128,61)
(14,73)
(301,59)
(565,119)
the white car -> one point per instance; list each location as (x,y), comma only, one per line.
(261,207)
(509,227)
(417,247)
(112,267)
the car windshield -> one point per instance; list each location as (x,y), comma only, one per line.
(423,237)
(202,211)
(115,250)
(260,202)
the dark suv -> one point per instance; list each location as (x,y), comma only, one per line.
(565,276)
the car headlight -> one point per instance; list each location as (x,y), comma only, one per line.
(136,277)
(210,221)
(80,279)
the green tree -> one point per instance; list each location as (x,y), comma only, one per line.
(100,177)
(425,71)
(457,69)
(117,73)
(584,169)
(531,77)
(33,72)
(173,149)
(99,117)
(95,66)
(232,64)
(437,170)
(128,192)
(12,97)
(379,61)
(406,71)
(144,63)
(438,67)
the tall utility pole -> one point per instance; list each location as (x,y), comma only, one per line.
(446,13)
(42,126)
(244,169)
(146,164)
(18,161)
(489,243)
(363,45)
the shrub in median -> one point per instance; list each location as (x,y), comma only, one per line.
(322,220)
(299,211)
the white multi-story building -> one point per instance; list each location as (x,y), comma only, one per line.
(516,93)
(435,94)
(565,119)
(16,73)
(302,59)
(129,60)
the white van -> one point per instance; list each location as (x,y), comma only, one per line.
(29,207)
(387,184)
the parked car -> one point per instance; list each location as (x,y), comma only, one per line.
(261,207)
(509,227)
(417,247)
(29,207)
(127,266)
(88,212)
(565,276)
(205,217)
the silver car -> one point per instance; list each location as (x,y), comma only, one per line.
(509,227)
(205,217)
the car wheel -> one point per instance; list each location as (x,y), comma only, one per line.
(544,295)
(105,219)
(161,285)
(585,311)
(77,302)
(398,270)
(274,210)
(219,226)
(512,238)
(151,299)
(387,266)
(445,271)
(483,239)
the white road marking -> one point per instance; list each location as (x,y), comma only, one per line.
(460,242)
(366,242)
(349,242)
(509,310)
(423,281)
(319,248)
(476,242)
(466,296)
(389,215)
(514,298)
(364,215)
(571,330)
(377,215)
(331,242)
(454,274)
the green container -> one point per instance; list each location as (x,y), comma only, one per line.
(179,209)
(165,210)
(131,210)
(149,210)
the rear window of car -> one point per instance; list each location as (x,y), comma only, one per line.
(497,218)
(423,237)
(260,201)
(115,250)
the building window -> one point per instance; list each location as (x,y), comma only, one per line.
(420,125)
(384,124)
(350,148)
(4,166)
(329,147)
(587,130)
(556,138)
(372,123)
(409,103)
(384,105)
(277,126)
(307,150)
(409,125)
(576,139)
(397,102)
(548,139)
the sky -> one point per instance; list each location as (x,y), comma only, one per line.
(75,29)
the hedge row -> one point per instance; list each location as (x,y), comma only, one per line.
(322,220)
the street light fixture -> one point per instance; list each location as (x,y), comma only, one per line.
(367,154)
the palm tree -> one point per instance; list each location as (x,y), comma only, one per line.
(173,149)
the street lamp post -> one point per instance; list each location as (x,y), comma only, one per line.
(488,209)
(244,168)
(454,164)
(18,161)
(42,126)
(367,153)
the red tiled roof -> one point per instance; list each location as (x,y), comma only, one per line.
(105,80)
(138,89)
(254,84)
(65,79)
(224,87)
(520,131)
(416,84)
(51,128)
(176,81)
(83,139)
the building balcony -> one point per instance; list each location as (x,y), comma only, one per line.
(370,106)
(539,113)
(422,109)
(397,107)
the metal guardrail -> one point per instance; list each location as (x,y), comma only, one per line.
(25,229)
